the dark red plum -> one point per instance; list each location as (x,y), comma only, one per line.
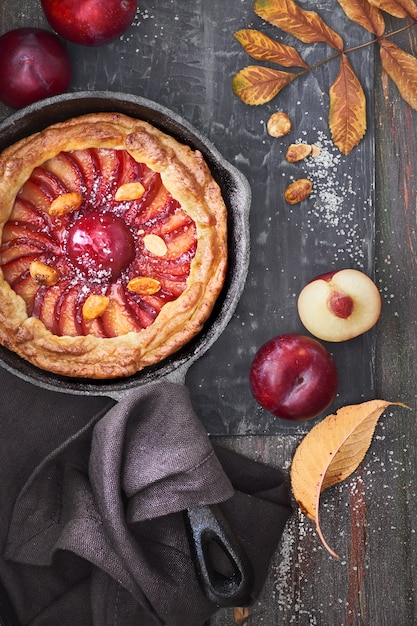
(35,65)
(90,22)
(294,377)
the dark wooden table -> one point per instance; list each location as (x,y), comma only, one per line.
(183,55)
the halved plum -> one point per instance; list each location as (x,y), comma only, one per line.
(100,244)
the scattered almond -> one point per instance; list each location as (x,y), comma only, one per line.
(298,152)
(315,151)
(129,191)
(94,306)
(43,274)
(298,190)
(144,286)
(65,203)
(155,244)
(279,124)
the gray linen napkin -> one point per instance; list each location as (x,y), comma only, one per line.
(97,534)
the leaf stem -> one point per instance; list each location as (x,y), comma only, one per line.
(378,39)
(358,47)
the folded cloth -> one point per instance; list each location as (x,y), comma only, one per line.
(97,533)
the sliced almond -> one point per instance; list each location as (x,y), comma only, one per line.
(279,124)
(155,244)
(44,274)
(315,151)
(65,203)
(94,306)
(298,152)
(144,285)
(129,191)
(298,190)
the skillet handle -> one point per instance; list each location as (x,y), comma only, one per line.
(209,531)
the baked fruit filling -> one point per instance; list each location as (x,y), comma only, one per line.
(95,244)
(113,246)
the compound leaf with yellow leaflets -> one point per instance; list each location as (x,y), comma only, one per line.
(347,114)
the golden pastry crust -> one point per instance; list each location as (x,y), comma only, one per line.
(187,178)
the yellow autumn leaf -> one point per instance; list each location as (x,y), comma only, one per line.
(410,7)
(263,48)
(307,26)
(397,8)
(331,452)
(401,67)
(258,85)
(364,14)
(347,113)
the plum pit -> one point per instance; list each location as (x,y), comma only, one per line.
(340,304)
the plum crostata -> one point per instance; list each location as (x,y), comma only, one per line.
(113,246)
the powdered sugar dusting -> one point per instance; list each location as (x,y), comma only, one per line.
(336,209)
(354,515)
(334,203)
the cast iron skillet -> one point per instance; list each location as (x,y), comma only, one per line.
(205,525)
(236,193)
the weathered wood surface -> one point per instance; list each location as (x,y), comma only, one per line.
(183,56)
